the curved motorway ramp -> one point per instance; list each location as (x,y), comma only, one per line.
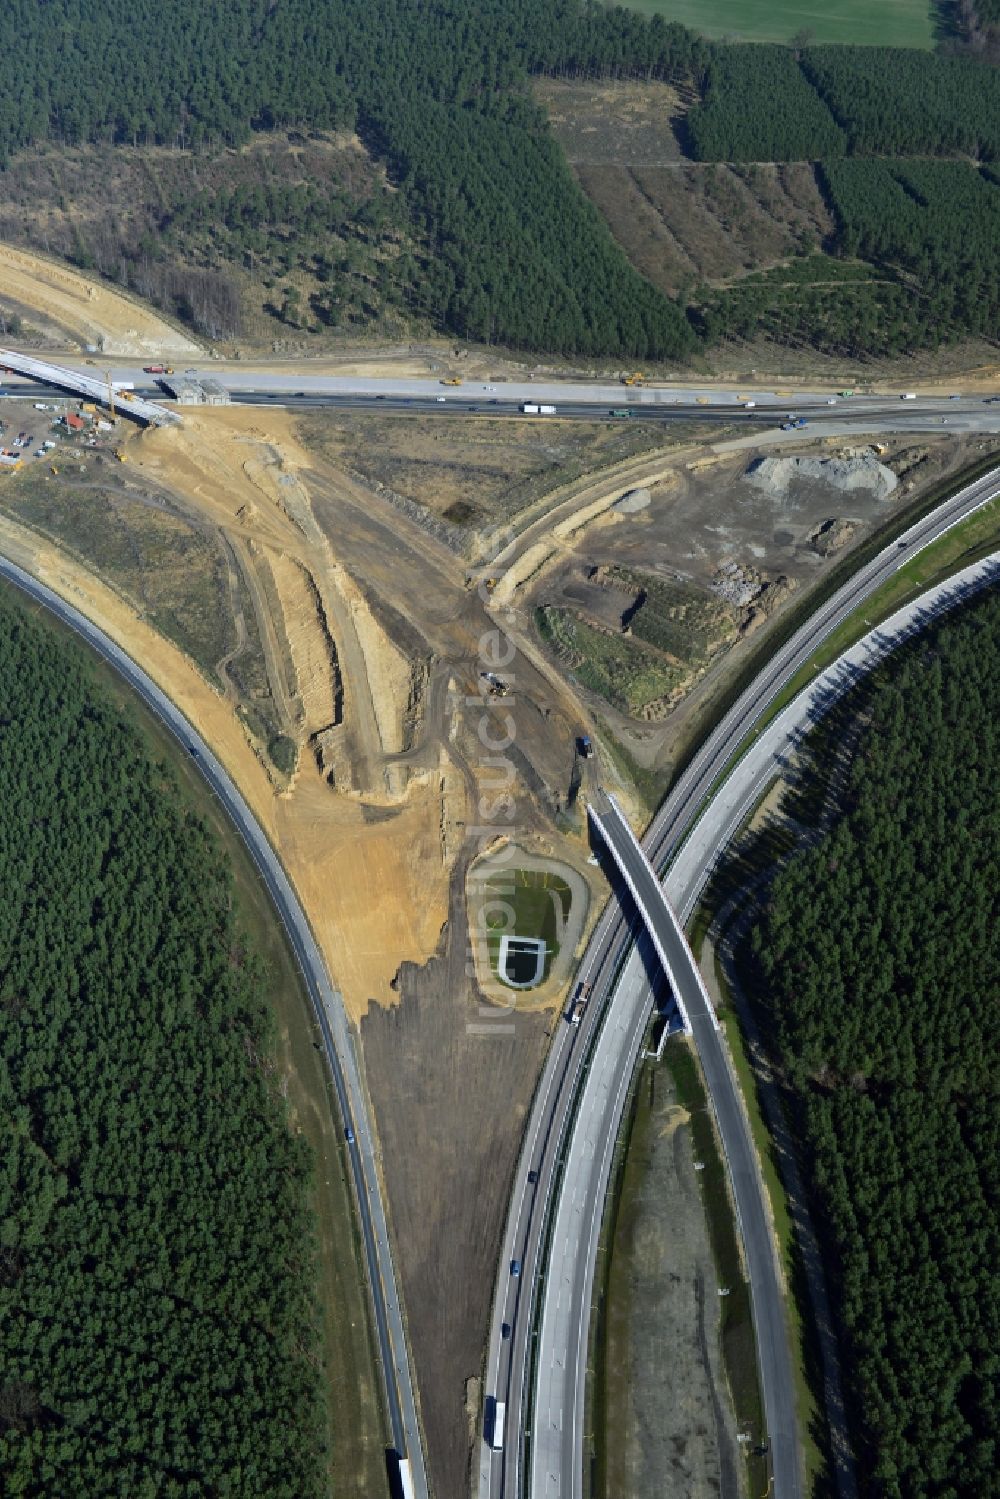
(327,1005)
(554,1218)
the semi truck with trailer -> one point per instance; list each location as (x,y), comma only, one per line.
(499,1421)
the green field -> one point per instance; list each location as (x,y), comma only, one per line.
(531,897)
(889,23)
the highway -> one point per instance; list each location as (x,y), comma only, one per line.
(553,1148)
(328,1008)
(774,1360)
(577,1106)
(573,399)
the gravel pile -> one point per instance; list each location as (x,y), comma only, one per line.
(777,475)
(632,501)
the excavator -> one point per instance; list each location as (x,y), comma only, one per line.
(637,379)
(453,380)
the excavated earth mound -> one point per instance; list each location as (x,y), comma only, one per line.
(778,475)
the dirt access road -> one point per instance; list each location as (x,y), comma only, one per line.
(372,641)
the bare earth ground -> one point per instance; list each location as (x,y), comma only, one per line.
(369,643)
(125,211)
(658,1433)
(89,311)
(451,1080)
(711,536)
(354,635)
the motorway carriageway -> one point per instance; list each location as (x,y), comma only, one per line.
(570,1154)
(577,400)
(327,1005)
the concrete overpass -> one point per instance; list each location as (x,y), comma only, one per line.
(80,384)
(770,1323)
(539,1366)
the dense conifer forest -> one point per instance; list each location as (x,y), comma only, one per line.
(880,955)
(158,1334)
(482,229)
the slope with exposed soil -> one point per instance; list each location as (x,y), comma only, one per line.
(90,312)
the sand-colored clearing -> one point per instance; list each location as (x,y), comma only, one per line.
(388,670)
(88,310)
(376,892)
(309,642)
(561,530)
(372,871)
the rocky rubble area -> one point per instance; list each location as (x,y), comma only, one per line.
(777,476)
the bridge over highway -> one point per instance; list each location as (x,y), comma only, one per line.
(80,384)
(537,1355)
(770,1323)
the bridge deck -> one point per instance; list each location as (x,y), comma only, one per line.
(85,385)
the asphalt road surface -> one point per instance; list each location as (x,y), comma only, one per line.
(329,1012)
(770,1325)
(566,1140)
(574,400)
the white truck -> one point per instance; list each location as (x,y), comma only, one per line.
(406,1489)
(531,408)
(909,395)
(499,1421)
(579,1003)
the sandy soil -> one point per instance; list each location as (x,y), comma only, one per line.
(315,669)
(86,309)
(373,878)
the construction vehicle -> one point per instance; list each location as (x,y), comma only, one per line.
(495,686)
(453,380)
(119,455)
(157,369)
(637,379)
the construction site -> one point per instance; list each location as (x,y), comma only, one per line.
(355,610)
